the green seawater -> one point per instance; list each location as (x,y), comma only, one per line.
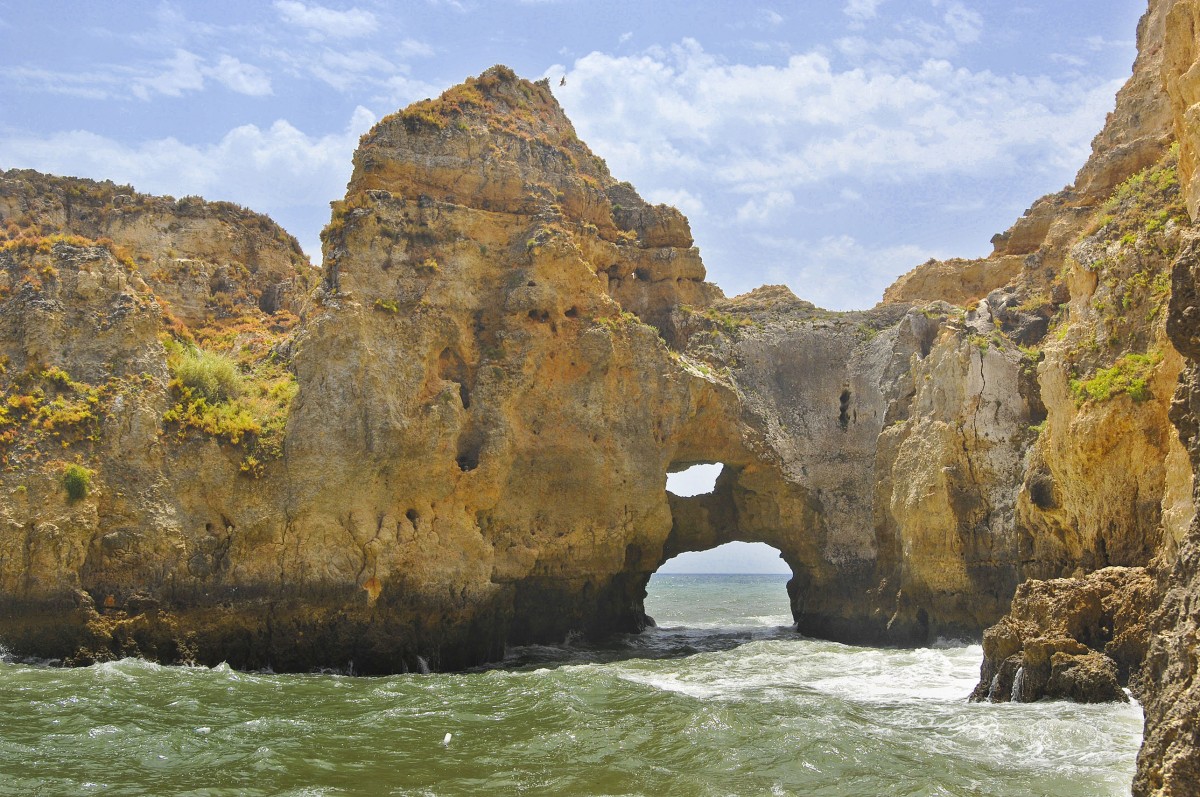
(721,699)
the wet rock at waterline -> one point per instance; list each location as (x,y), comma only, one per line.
(1077,639)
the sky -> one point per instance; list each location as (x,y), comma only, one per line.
(828,145)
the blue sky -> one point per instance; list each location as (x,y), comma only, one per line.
(828,145)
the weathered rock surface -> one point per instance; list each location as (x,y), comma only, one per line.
(460,440)
(1181,76)
(1169,761)
(1079,639)
(201,258)
(1070,624)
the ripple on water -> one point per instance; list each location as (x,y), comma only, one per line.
(745,708)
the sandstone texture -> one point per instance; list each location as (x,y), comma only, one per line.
(1169,761)
(1079,639)
(456,436)
(459,439)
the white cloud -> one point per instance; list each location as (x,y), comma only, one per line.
(666,117)
(182,74)
(797,146)
(838,272)
(322,22)
(89,85)
(964,23)
(240,77)
(1097,43)
(1069,59)
(344,69)
(410,48)
(768,19)
(762,209)
(402,90)
(681,199)
(276,170)
(862,10)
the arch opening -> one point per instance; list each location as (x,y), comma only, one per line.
(695,480)
(734,585)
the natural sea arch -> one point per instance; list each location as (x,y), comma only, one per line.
(707,535)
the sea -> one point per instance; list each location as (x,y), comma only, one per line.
(722,698)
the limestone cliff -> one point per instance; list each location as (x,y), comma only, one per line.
(1078,636)
(459,439)
(1169,761)
(471,419)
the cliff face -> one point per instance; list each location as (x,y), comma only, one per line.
(460,439)
(1169,762)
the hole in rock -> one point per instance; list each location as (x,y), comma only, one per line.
(844,412)
(735,585)
(696,480)
(642,274)
(412,516)
(470,442)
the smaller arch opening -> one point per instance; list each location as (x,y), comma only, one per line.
(696,480)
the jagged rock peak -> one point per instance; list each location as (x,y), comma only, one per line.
(501,143)
(502,104)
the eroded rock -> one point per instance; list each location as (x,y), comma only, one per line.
(1080,639)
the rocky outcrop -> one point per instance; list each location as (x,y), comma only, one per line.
(1181,77)
(1079,639)
(459,439)
(1074,625)
(202,259)
(472,418)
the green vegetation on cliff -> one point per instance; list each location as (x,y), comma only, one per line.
(1130,376)
(242,401)
(44,409)
(1127,252)
(77,480)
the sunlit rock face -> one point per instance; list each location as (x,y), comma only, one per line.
(459,439)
